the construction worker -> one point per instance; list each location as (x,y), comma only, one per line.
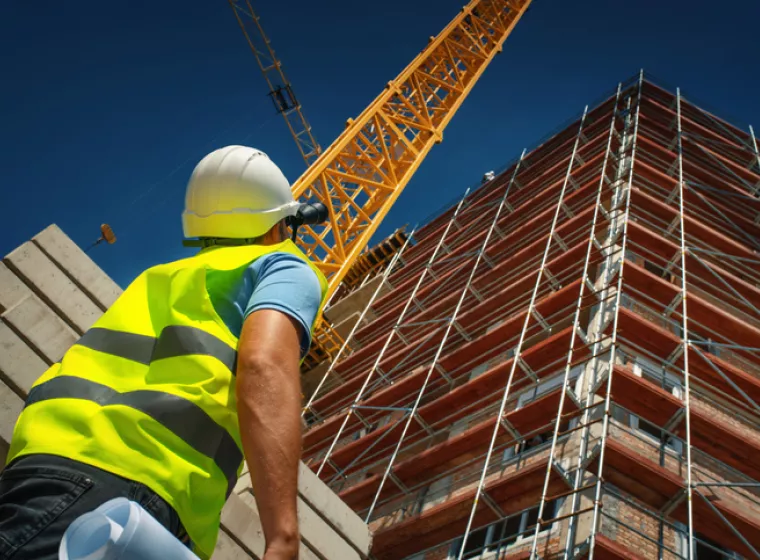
(194,367)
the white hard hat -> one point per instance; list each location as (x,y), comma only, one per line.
(236,192)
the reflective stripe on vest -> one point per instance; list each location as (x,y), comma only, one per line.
(173,341)
(187,420)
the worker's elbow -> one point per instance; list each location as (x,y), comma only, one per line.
(263,381)
(255,375)
(256,364)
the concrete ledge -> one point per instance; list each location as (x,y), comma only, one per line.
(333,510)
(310,380)
(19,365)
(330,530)
(244,523)
(12,289)
(41,328)
(244,480)
(334,513)
(58,247)
(356,301)
(240,518)
(228,549)
(11,406)
(346,325)
(49,282)
(320,536)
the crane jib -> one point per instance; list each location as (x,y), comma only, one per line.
(362,173)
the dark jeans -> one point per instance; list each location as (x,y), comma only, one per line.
(40,495)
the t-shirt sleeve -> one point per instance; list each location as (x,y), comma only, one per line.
(286,283)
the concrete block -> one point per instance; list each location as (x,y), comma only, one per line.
(53,286)
(243,484)
(321,537)
(243,521)
(311,379)
(40,327)
(19,365)
(346,325)
(334,511)
(304,553)
(329,537)
(356,301)
(243,481)
(12,289)
(228,549)
(67,255)
(240,517)
(11,406)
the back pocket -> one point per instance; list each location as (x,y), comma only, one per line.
(31,498)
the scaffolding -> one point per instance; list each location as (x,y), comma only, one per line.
(565,362)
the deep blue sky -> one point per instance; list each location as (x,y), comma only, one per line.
(105,107)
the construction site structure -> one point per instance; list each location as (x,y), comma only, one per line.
(565,363)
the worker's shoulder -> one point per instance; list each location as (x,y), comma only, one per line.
(285,282)
(283,258)
(285,266)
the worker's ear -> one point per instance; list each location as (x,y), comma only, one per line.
(276,234)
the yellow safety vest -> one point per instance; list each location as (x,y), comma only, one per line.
(148,393)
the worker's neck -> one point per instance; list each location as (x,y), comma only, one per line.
(274,236)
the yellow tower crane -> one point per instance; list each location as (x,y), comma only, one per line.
(362,173)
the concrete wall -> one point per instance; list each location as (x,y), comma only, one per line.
(51,292)
(346,312)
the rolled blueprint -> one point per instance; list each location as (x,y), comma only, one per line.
(120,530)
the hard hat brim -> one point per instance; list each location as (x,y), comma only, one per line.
(238,223)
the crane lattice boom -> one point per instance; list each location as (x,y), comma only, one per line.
(362,173)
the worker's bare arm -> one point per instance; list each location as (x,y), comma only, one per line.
(269,406)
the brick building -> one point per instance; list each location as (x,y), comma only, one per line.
(529,377)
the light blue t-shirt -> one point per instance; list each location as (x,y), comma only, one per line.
(279,281)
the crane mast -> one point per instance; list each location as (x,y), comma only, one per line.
(362,173)
(280,89)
